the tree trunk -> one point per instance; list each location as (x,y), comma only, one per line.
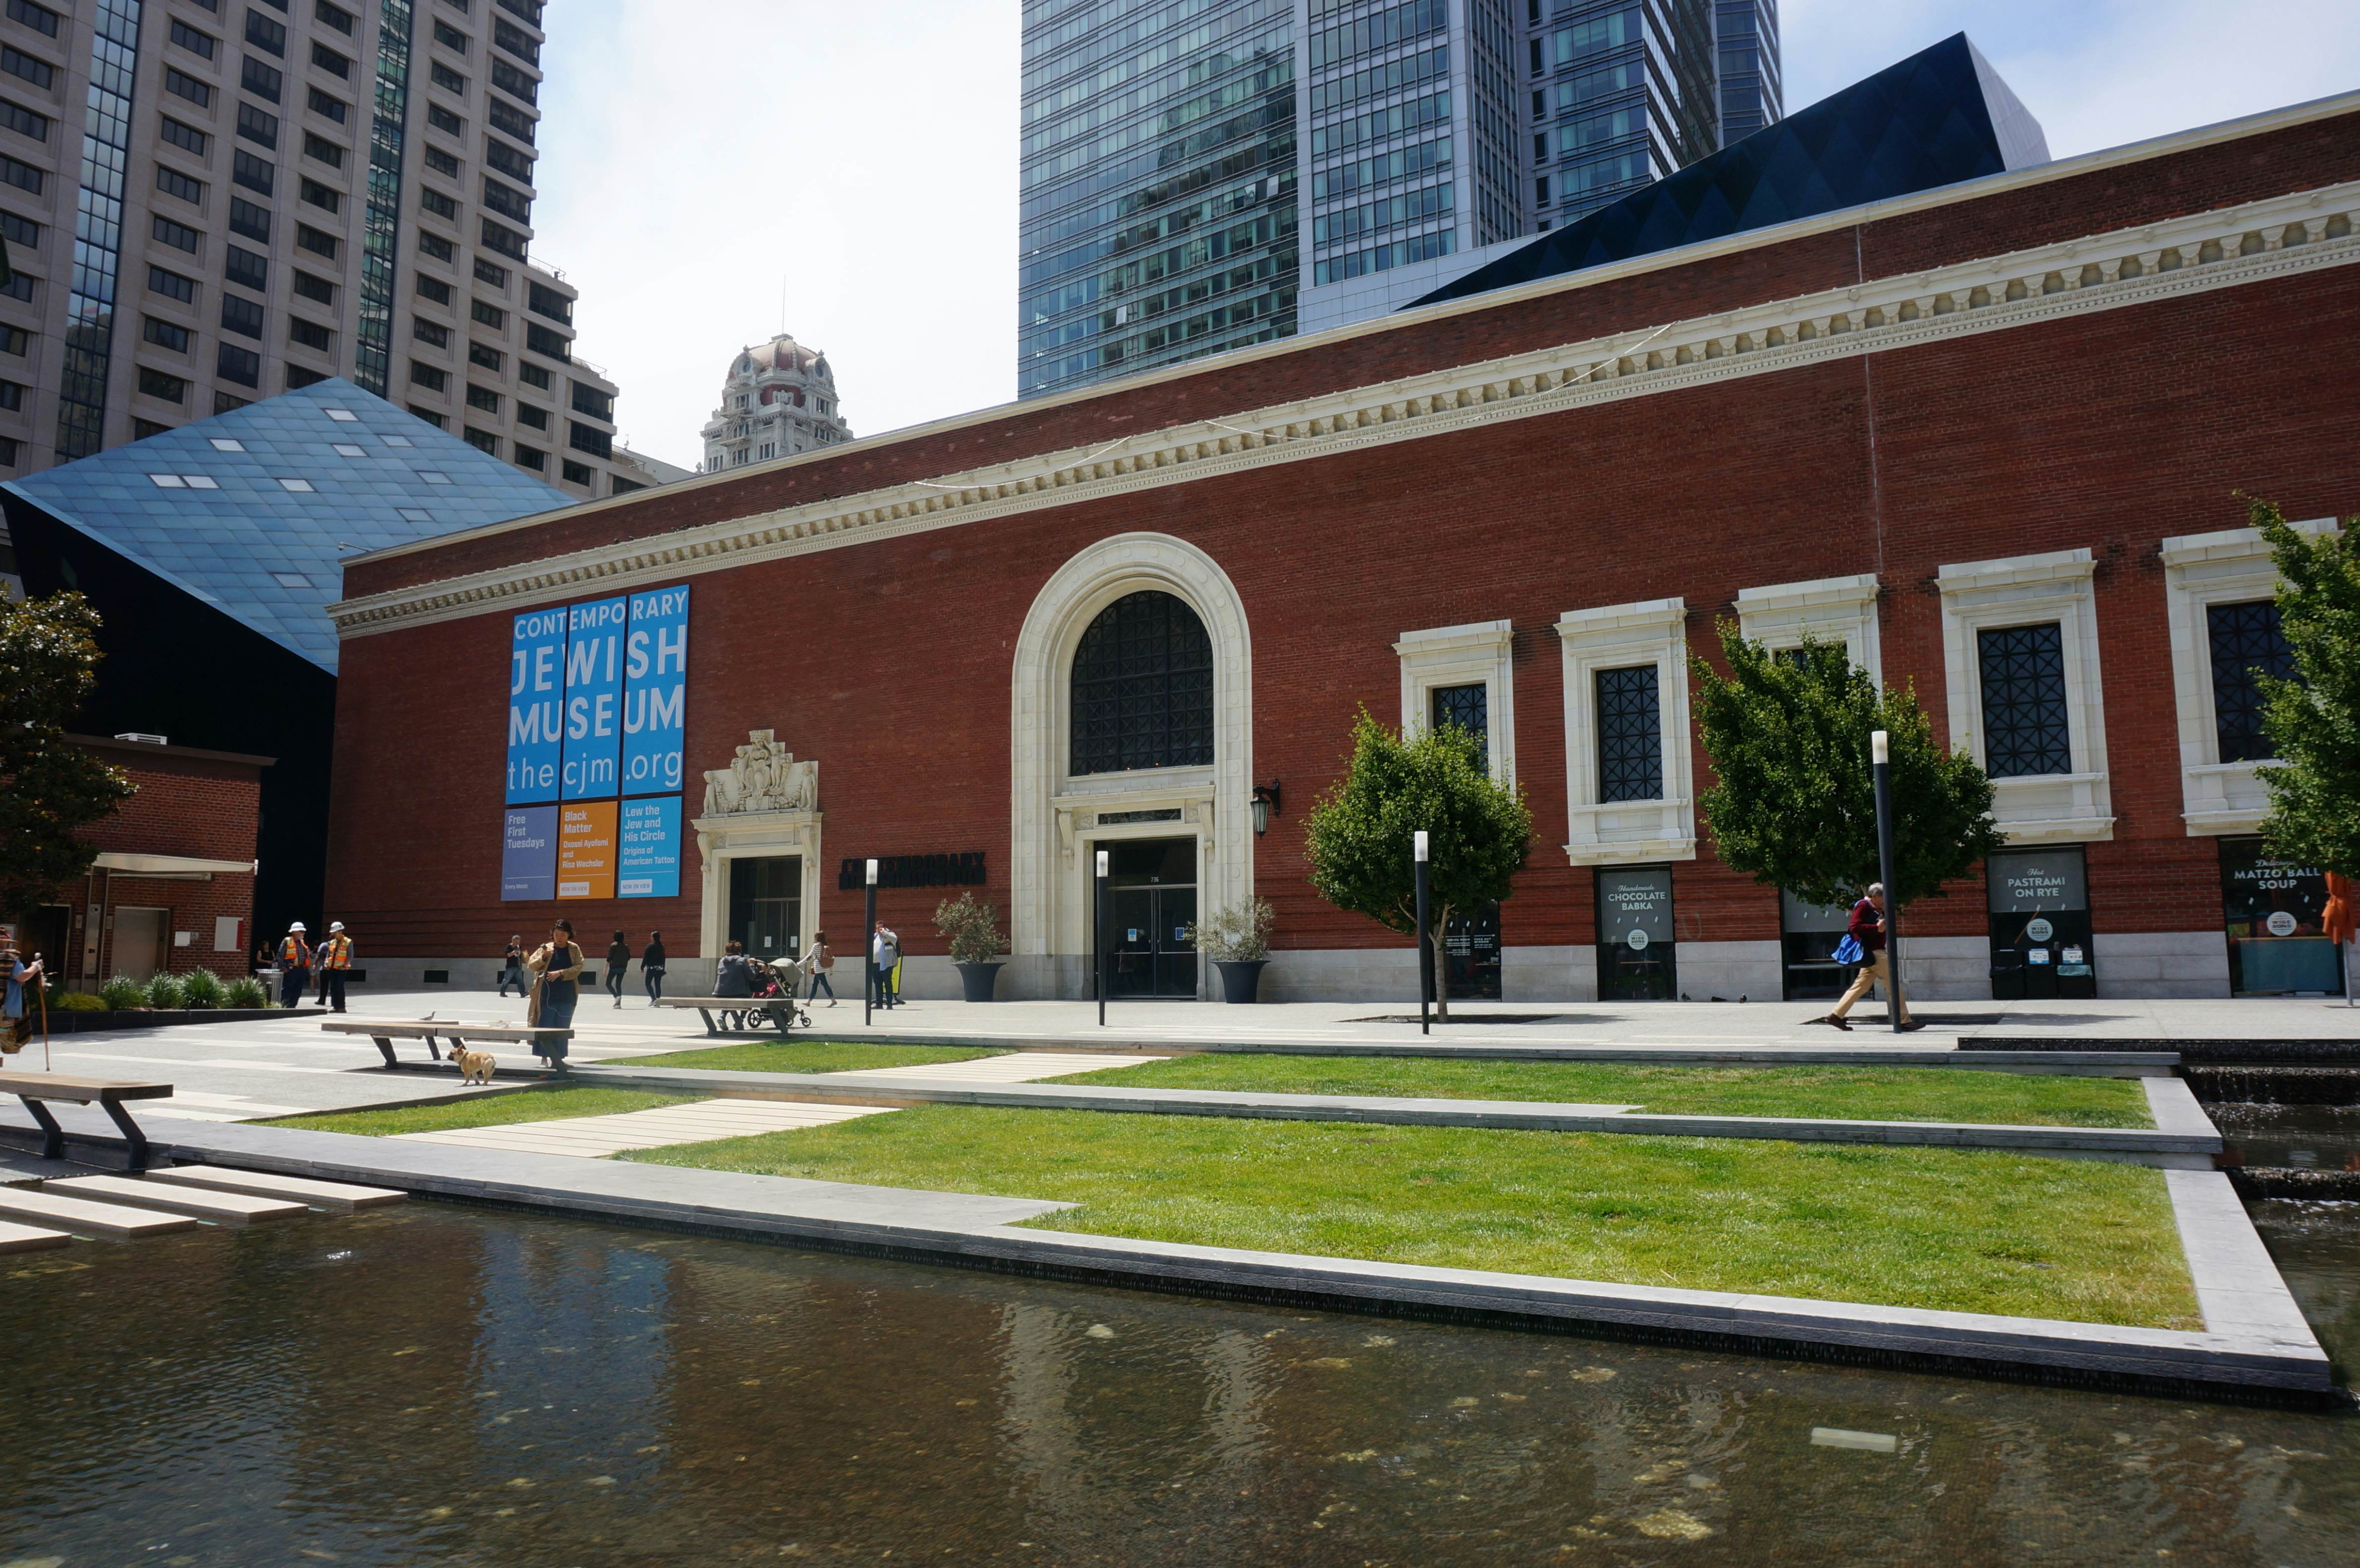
(1441,968)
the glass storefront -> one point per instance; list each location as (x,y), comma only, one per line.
(1807,938)
(1635,951)
(2272,909)
(2039,925)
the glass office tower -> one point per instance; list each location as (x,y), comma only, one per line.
(1158,176)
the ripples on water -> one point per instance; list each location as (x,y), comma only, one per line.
(435,1384)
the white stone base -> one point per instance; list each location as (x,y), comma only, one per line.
(1725,971)
(1946,968)
(2161,963)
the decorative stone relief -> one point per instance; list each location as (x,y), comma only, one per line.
(763,776)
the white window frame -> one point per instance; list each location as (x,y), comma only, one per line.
(2022,591)
(1480,653)
(1616,636)
(2200,570)
(1832,609)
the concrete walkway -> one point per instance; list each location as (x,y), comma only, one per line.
(594,1138)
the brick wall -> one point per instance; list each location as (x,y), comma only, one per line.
(191,804)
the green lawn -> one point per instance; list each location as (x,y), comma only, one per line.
(1854,1093)
(486,1110)
(1964,1230)
(803,1056)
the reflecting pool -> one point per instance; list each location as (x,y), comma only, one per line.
(438,1385)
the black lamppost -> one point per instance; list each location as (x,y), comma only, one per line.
(869,951)
(1425,939)
(1880,747)
(1098,924)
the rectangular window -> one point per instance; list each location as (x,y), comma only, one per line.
(25,177)
(264,34)
(337,17)
(507,161)
(434,289)
(426,376)
(317,242)
(508,200)
(172,285)
(245,218)
(544,300)
(483,397)
(449,37)
(436,247)
(332,62)
(242,365)
(25,123)
(514,121)
(19,286)
(182,85)
(15,341)
(310,334)
(248,270)
(505,240)
(1630,735)
(312,287)
(15,62)
(1461,707)
(491,272)
(228,402)
(255,173)
(40,19)
(2024,729)
(433,201)
(321,148)
(528,415)
(320,196)
(510,80)
(165,334)
(325,104)
(515,41)
(262,80)
(170,180)
(429,333)
(587,438)
(241,316)
(441,162)
(546,343)
(577,473)
(482,441)
(296,376)
(490,315)
(489,358)
(532,375)
(2247,642)
(12,396)
(258,126)
(532,458)
(442,120)
(202,45)
(447,79)
(438,420)
(591,401)
(186,137)
(156,384)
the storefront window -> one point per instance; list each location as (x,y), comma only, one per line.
(2040,925)
(1809,934)
(2273,908)
(1635,950)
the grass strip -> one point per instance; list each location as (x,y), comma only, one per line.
(804,1056)
(486,1110)
(1850,1093)
(1958,1229)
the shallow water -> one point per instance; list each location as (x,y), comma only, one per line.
(2312,1137)
(439,1385)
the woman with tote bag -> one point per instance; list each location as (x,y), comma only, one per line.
(556,966)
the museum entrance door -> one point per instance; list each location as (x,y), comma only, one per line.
(1150,904)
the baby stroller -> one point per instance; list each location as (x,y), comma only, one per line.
(775,986)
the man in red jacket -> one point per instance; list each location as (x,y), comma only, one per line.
(1868,928)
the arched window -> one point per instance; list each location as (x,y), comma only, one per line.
(1143,688)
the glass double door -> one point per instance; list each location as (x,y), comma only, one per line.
(1150,904)
(766,907)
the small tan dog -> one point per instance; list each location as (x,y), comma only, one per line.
(474,1066)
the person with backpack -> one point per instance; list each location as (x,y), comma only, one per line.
(651,967)
(294,966)
(1863,943)
(821,961)
(618,964)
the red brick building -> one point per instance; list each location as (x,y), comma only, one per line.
(1990,436)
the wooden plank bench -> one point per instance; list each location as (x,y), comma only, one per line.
(784,1013)
(385,1032)
(106,1094)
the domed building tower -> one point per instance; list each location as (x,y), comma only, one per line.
(780,400)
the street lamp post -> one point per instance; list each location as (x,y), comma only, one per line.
(1880,747)
(1417,854)
(1098,924)
(869,951)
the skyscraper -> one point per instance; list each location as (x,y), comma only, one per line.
(209,201)
(1379,147)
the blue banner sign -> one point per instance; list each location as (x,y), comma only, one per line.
(528,854)
(594,699)
(655,704)
(647,862)
(536,706)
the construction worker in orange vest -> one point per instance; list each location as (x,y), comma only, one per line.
(294,966)
(335,957)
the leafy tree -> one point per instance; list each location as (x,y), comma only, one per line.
(2313,720)
(1358,833)
(1794,802)
(49,787)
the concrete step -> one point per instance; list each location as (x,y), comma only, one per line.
(340,1196)
(29,1238)
(229,1208)
(86,1217)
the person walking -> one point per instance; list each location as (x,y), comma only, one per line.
(618,964)
(20,983)
(556,965)
(512,968)
(651,967)
(335,957)
(294,966)
(1868,928)
(820,959)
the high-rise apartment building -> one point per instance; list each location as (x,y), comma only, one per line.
(1354,139)
(209,201)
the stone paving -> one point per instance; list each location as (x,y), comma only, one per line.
(594,1138)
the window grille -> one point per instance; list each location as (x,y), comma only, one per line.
(1143,688)
(2024,729)
(1630,735)
(2247,642)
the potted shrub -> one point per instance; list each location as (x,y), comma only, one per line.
(975,944)
(1236,939)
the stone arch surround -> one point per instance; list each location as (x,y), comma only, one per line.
(1052,818)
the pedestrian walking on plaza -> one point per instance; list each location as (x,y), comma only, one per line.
(618,964)
(1867,929)
(651,967)
(19,981)
(294,966)
(335,956)
(557,966)
(512,968)
(820,960)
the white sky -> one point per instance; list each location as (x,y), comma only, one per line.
(704,161)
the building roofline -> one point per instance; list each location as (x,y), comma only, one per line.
(152,748)
(2193,138)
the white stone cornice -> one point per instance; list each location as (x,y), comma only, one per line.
(2300,232)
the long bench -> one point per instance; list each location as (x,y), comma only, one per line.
(385,1032)
(784,1013)
(106,1094)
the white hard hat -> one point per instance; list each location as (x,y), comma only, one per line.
(336,925)
(296,927)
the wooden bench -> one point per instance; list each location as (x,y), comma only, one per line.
(784,1012)
(106,1094)
(385,1032)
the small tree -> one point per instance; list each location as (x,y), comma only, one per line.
(973,928)
(1794,802)
(1358,835)
(49,787)
(2313,720)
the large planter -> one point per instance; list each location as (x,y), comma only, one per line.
(979,980)
(1241,977)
